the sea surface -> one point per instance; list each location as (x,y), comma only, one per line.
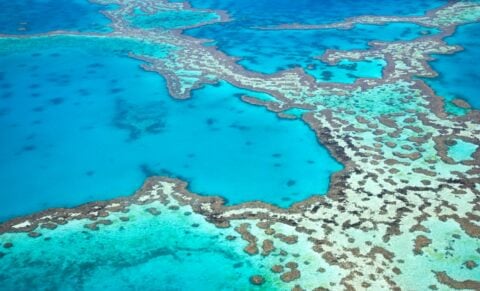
(80,121)
(40,16)
(261,12)
(458,78)
(261,51)
(81,126)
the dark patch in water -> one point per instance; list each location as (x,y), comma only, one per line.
(38,109)
(291,182)
(240,127)
(327,75)
(29,148)
(116,90)
(30,136)
(165,172)
(96,65)
(147,171)
(277,165)
(140,119)
(237,265)
(276,155)
(352,76)
(4,111)
(83,92)
(310,162)
(56,101)
(6,86)
(406,32)
(89,173)
(155,128)
(7,95)
(210,121)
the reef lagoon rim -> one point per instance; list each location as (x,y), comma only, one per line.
(84,125)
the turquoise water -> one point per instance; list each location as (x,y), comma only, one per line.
(146,253)
(261,50)
(458,76)
(80,126)
(171,19)
(262,12)
(81,122)
(37,16)
(462,150)
(272,51)
(91,45)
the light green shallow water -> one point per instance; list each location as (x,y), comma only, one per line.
(146,253)
(462,150)
(171,19)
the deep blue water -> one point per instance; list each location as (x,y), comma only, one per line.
(272,51)
(38,16)
(269,51)
(265,12)
(459,74)
(80,126)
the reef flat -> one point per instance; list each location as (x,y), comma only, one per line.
(403,213)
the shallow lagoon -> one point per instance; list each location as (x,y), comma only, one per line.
(171,19)
(261,50)
(79,127)
(462,151)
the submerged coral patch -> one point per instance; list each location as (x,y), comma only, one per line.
(171,19)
